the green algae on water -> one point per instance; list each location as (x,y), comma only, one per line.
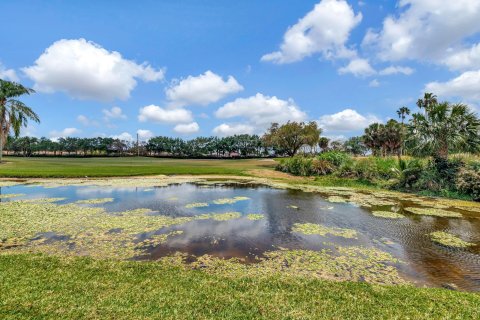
(95,201)
(388,214)
(311,229)
(255,216)
(196,205)
(230,200)
(449,240)
(434,212)
(220,216)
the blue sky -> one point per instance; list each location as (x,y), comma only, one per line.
(199,68)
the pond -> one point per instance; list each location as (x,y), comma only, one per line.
(335,233)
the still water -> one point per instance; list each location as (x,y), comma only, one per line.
(425,262)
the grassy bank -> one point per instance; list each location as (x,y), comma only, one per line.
(36,287)
(116,167)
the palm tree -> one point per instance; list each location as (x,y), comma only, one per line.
(429,100)
(323,143)
(14,114)
(373,138)
(443,128)
(402,113)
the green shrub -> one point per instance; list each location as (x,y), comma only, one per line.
(369,168)
(468,182)
(322,167)
(337,158)
(298,165)
(407,173)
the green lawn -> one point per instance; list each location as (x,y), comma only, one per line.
(110,167)
(36,287)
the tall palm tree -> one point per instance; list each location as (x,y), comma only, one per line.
(402,113)
(14,114)
(443,128)
(429,100)
(373,138)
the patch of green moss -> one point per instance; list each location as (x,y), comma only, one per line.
(255,216)
(449,240)
(434,212)
(336,199)
(230,200)
(95,201)
(311,228)
(387,214)
(196,205)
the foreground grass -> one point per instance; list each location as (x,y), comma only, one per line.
(115,167)
(41,287)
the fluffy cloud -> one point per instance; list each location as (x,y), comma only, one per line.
(346,120)
(396,70)
(144,134)
(187,128)
(358,67)
(156,114)
(124,136)
(465,86)
(201,90)
(324,30)
(114,113)
(260,111)
(8,74)
(426,29)
(67,132)
(226,129)
(86,121)
(374,83)
(464,59)
(85,70)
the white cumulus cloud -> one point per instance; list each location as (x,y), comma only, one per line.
(186,128)
(396,70)
(323,30)
(201,90)
(465,86)
(144,134)
(114,113)
(85,70)
(358,67)
(67,132)
(157,114)
(124,136)
(260,111)
(8,74)
(346,120)
(226,129)
(426,29)
(464,59)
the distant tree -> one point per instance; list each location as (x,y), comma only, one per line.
(392,137)
(14,114)
(373,138)
(402,113)
(355,146)
(291,136)
(323,143)
(336,145)
(429,100)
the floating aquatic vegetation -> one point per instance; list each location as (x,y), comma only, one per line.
(449,240)
(95,201)
(340,264)
(434,212)
(387,214)
(336,199)
(219,216)
(196,205)
(40,200)
(159,238)
(255,216)
(11,195)
(230,200)
(293,207)
(311,228)
(9,183)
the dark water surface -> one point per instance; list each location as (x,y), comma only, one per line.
(407,239)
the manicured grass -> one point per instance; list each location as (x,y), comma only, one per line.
(111,167)
(39,287)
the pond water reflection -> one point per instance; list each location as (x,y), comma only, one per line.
(277,213)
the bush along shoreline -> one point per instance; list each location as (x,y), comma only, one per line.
(456,177)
